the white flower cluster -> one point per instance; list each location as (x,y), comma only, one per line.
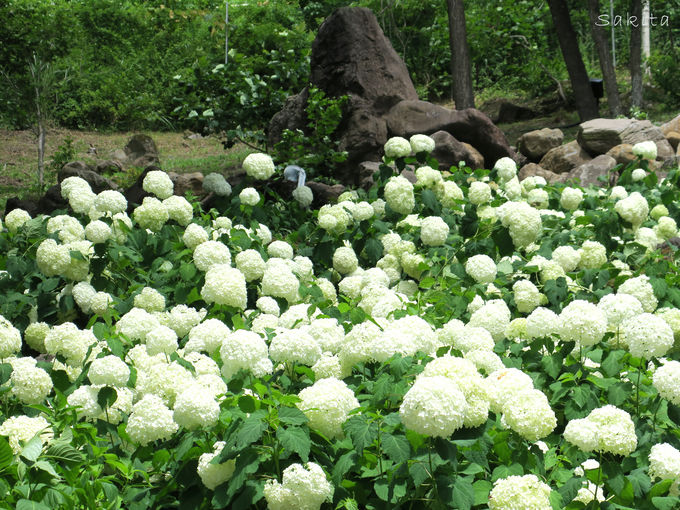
(666,380)
(399,194)
(259,166)
(514,492)
(646,150)
(327,404)
(211,474)
(302,487)
(433,406)
(606,429)
(397,147)
(421,143)
(217,184)
(158,183)
(15,219)
(225,285)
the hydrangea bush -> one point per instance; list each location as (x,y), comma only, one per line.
(464,341)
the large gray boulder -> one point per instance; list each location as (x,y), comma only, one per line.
(97,182)
(532,169)
(536,144)
(590,172)
(141,151)
(448,151)
(565,157)
(471,126)
(597,136)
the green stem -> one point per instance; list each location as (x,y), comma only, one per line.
(429,458)
(658,405)
(380,466)
(637,393)
(599,474)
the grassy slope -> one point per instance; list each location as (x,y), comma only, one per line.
(18,155)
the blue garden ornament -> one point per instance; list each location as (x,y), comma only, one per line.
(294,173)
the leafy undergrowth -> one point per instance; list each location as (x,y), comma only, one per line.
(467,342)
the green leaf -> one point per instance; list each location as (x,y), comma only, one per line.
(106,397)
(26,504)
(482,489)
(246,403)
(187,272)
(292,416)
(661,488)
(397,448)
(63,452)
(250,430)
(382,489)
(556,290)
(45,466)
(361,432)
(342,466)
(552,364)
(373,250)
(6,453)
(612,366)
(430,202)
(295,439)
(32,449)
(5,372)
(666,503)
(619,393)
(463,493)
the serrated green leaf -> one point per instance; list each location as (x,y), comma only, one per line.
(295,439)
(666,503)
(292,416)
(246,403)
(5,372)
(26,504)
(482,489)
(612,366)
(430,202)
(45,466)
(373,250)
(106,397)
(396,447)
(660,488)
(250,430)
(342,466)
(63,452)
(361,432)
(32,449)
(463,493)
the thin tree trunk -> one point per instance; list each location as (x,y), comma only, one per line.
(583,93)
(461,70)
(226,34)
(606,65)
(646,43)
(41,153)
(636,55)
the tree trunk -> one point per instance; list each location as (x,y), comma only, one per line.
(461,72)
(583,93)
(606,65)
(226,34)
(636,55)
(646,43)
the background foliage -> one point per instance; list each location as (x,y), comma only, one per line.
(157,64)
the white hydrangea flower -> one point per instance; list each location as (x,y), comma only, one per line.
(523,221)
(211,474)
(506,169)
(571,198)
(111,202)
(151,215)
(294,346)
(481,268)
(583,323)
(303,195)
(494,316)
(150,420)
(428,177)
(225,285)
(449,193)
(158,183)
(29,383)
(640,288)
(195,408)
(646,150)
(433,406)
(504,384)
(327,404)
(10,339)
(216,183)
(53,259)
(22,428)
(647,335)
(526,492)
(194,235)
(606,429)
(634,209)
(593,255)
(397,147)
(479,193)
(280,249)
(542,322)
(666,228)
(433,231)
(664,462)
(619,307)
(150,300)
(303,487)
(179,209)
(211,253)
(279,281)
(136,323)
(529,414)
(421,143)
(244,350)
(98,232)
(181,318)
(345,260)
(249,196)
(15,219)
(567,257)
(666,380)
(161,340)
(109,371)
(527,296)
(399,194)
(638,174)
(259,166)
(35,334)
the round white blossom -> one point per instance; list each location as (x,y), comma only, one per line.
(571,198)
(583,323)
(481,268)
(216,183)
(244,350)
(194,235)
(634,209)
(152,214)
(109,371)
(397,147)
(15,219)
(150,420)
(259,166)
(646,150)
(529,414)
(345,260)
(399,194)
(640,288)
(433,231)
(514,492)
(249,196)
(593,255)
(506,169)
(211,253)
(327,404)
(421,143)
(195,408)
(303,195)
(479,193)
(251,264)
(211,474)
(606,429)
(302,488)
(225,285)
(666,380)
(433,406)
